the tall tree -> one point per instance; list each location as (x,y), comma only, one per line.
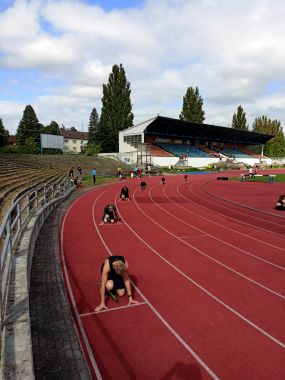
(93,129)
(276,146)
(51,129)
(29,127)
(192,109)
(239,119)
(3,134)
(116,113)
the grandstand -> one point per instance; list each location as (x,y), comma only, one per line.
(199,144)
(17,176)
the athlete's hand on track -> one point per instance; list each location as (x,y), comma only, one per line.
(132,302)
(101,307)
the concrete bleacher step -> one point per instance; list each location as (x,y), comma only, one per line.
(159,152)
(17,188)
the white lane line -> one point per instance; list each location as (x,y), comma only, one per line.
(205,254)
(185,345)
(229,217)
(281,344)
(112,309)
(76,312)
(227,228)
(203,187)
(247,236)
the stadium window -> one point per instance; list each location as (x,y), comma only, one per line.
(74,141)
(133,139)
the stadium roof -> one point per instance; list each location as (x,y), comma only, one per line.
(164,126)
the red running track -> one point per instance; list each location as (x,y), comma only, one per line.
(207,263)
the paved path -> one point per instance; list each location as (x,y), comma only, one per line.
(56,349)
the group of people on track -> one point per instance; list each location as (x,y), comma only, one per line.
(115,281)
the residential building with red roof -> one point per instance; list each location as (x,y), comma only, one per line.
(74,141)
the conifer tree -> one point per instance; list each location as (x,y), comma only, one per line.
(239,119)
(116,113)
(276,146)
(93,129)
(3,134)
(192,109)
(29,128)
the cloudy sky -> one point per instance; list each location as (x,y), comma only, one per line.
(56,55)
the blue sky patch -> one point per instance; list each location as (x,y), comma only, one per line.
(24,85)
(274,87)
(108,5)
(47,27)
(5,4)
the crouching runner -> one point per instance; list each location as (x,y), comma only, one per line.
(115,281)
(110,214)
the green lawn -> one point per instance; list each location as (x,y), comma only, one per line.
(87,181)
(278,178)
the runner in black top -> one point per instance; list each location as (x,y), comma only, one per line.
(115,280)
(110,214)
(124,196)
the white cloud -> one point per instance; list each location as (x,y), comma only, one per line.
(231,50)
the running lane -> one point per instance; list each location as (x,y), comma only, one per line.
(197,318)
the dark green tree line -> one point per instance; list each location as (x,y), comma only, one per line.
(51,129)
(276,146)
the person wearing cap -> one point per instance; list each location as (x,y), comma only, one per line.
(115,281)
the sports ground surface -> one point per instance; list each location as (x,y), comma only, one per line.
(207,263)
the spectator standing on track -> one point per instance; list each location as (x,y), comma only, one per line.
(115,281)
(186,177)
(94,174)
(110,214)
(163,180)
(124,196)
(280,205)
(143,185)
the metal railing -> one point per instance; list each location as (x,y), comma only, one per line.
(15,221)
